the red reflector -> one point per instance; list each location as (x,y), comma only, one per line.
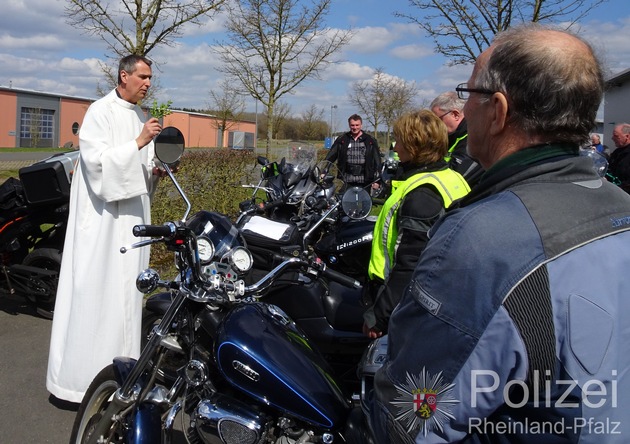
(179,241)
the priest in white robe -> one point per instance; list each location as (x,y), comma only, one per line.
(98,311)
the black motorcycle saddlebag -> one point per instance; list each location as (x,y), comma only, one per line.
(268,239)
(48,181)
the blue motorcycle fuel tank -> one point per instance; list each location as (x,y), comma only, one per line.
(260,351)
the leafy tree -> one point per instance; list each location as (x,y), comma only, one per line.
(463,29)
(274,45)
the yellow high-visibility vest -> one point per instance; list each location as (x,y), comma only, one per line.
(451,186)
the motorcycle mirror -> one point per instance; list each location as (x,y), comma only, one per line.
(169,145)
(147,281)
(262,160)
(356,203)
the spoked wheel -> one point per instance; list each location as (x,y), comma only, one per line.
(95,402)
(43,288)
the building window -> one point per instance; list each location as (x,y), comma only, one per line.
(37,127)
(75,128)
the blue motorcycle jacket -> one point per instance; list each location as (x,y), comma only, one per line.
(515,327)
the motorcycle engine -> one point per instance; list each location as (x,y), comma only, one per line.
(224,420)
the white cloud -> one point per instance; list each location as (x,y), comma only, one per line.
(39,50)
(610,41)
(371,40)
(411,52)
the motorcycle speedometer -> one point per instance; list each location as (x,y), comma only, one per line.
(206,250)
(241,259)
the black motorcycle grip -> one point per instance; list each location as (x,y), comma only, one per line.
(273,204)
(153,230)
(341,278)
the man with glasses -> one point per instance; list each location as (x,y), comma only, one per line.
(450,109)
(509,330)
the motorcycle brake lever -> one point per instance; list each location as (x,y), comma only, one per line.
(142,243)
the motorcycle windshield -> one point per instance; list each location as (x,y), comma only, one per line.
(218,228)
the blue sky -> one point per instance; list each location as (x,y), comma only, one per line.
(40,51)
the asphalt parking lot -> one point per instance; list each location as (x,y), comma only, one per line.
(27,412)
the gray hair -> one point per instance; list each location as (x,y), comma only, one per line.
(624,128)
(552,92)
(128,64)
(448,101)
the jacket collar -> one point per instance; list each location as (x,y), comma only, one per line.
(562,160)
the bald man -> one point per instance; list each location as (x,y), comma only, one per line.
(509,330)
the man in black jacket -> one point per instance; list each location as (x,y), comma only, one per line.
(357,154)
(619,162)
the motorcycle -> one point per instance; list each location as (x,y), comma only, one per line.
(33,218)
(329,312)
(249,374)
(342,240)
(287,183)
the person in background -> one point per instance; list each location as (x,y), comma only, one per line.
(450,108)
(357,155)
(98,310)
(596,143)
(426,186)
(619,161)
(514,326)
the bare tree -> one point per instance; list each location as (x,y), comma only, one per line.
(399,99)
(137,26)
(228,106)
(274,45)
(382,99)
(463,29)
(312,126)
(279,117)
(369,96)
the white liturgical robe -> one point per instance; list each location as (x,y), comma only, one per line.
(98,309)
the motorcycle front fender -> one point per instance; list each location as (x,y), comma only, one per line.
(122,368)
(145,424)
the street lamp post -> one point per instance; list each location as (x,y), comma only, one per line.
(331,120)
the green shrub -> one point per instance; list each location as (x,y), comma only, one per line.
(212,181)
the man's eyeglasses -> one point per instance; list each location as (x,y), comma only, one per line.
(445,114)
(463,92)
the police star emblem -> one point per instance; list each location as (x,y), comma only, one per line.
(424,402)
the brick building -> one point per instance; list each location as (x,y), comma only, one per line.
(45,120)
